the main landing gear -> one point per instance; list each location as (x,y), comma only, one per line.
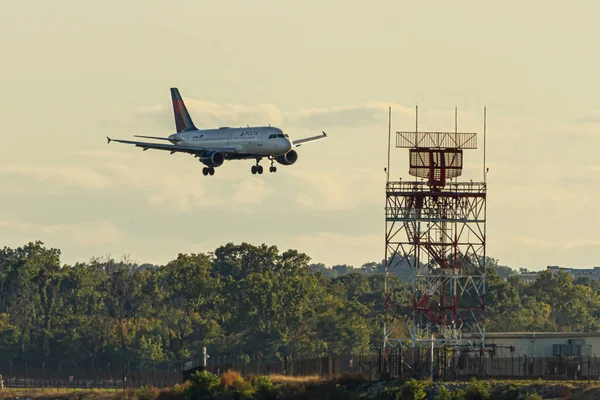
(208,171)
(258,169)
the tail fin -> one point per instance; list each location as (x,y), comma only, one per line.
(183,121)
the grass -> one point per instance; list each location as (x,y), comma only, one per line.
(296,379)
(289,384)
(59,393)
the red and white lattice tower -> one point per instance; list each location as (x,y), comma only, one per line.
(436,225)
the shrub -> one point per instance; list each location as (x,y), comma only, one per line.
(147,393)
(458,394)
(387,394)
(443,394)
(412,390)
(352,378)
(202,384)
(242,389)
(126,394)
(533,396)
(507,393)
(229,377)
(264,388)
(181,388)
(427,383)
(339,393)
(262,382)
(477,391)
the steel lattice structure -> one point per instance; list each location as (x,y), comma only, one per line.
(437,227)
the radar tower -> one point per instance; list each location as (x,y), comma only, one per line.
(435,228)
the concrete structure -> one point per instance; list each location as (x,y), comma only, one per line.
(592,273)
(528,277)
(532,355)
(544,344)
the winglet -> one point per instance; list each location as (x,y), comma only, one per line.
(108,140)
(324,134)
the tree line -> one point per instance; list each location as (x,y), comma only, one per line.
(241,299)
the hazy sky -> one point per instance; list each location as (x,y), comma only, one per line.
(73,72)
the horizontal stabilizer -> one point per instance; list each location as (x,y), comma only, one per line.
(158,138)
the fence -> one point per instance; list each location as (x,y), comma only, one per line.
(445,365)
(457,365)
(115,376)
(368,365)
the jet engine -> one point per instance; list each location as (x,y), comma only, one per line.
(212,159)
(288,158)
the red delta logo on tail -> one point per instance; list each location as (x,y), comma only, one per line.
(183,121)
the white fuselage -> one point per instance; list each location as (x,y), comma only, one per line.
(262,141)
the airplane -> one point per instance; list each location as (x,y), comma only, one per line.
(214,146)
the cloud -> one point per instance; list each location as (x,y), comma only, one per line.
(369,114)
(542,197)
(569,244)
(62,175)
(162,182)
(543,178)
(211,115)
(174,183)
(158,108)
(104,154)
(537,252)
(251,191)
(338,188)
(86,233)
(208,114)
(305,200)
(592,117)
(334,248)
(164,187)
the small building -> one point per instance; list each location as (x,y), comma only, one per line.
(531,355)
(592,273)
(544,344)
(528,277)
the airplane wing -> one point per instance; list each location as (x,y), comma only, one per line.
(173,148)
(300,142)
